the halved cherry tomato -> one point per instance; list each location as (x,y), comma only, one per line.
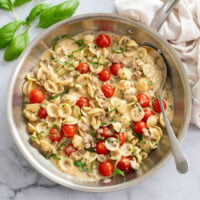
(147,114)
(36,96)
(124,164)
(108,90)
(69,149)
(68,130)
(83,101)
(101,148)
(115,68)
(83,68)
(54,135)
(106,168)
(103,40)
(104,75)
(143,100)
(156,105)
(42,113)
(121,137)
(105,131)
(139,126)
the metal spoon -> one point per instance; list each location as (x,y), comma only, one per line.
(179,156)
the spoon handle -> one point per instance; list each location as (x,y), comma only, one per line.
(179,156)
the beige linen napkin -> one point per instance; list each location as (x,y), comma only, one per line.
(181,29)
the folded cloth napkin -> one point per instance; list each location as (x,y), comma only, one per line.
(182,30)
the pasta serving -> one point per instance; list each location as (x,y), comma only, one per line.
(91,105)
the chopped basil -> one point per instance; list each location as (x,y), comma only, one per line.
(136,135)
(118,172)
(90,149)
(103,123)
(70,62)
(59,94)
(61,145)
(111,109)
(79,116)
(92,133)
(140,109)
(91,166)
(52,155)
(38,136)
(81,164)
(25,102)
(79,42)
(117,51)
(171,107)
(77,50)
(150,83)
(55,41)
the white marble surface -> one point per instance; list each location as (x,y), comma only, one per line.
(18,181)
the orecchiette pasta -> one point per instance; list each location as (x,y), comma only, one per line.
(91,104)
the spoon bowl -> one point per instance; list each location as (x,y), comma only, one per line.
(179,156)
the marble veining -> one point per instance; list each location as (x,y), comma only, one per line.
(19,181)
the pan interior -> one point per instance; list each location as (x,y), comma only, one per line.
(120,26)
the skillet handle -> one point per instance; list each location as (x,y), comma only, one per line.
(163,13)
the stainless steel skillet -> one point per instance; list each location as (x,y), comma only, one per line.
(119,25)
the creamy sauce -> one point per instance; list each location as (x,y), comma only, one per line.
(56,72)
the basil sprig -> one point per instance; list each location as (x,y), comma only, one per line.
(48,14)
(7,32)
(57,13)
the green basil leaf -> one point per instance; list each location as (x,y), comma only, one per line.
(57,13)
(16,46)
(52,155)
(59,94)
(118,172)
(36,11)
(6,4)
(7,32)
(20,2)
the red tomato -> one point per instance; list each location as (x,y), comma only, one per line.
(147,114)
(121,137)
(108,90)
(42,113)
(106,168)
(83,101)
(143,100)
(36,96)
(103,40)
(83,68)
(101,148)
(68,130)
(54,135)
(104,75)
(69,149)
(115,68)
(124,164)
(139,126)
(156,105)
(104,131)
